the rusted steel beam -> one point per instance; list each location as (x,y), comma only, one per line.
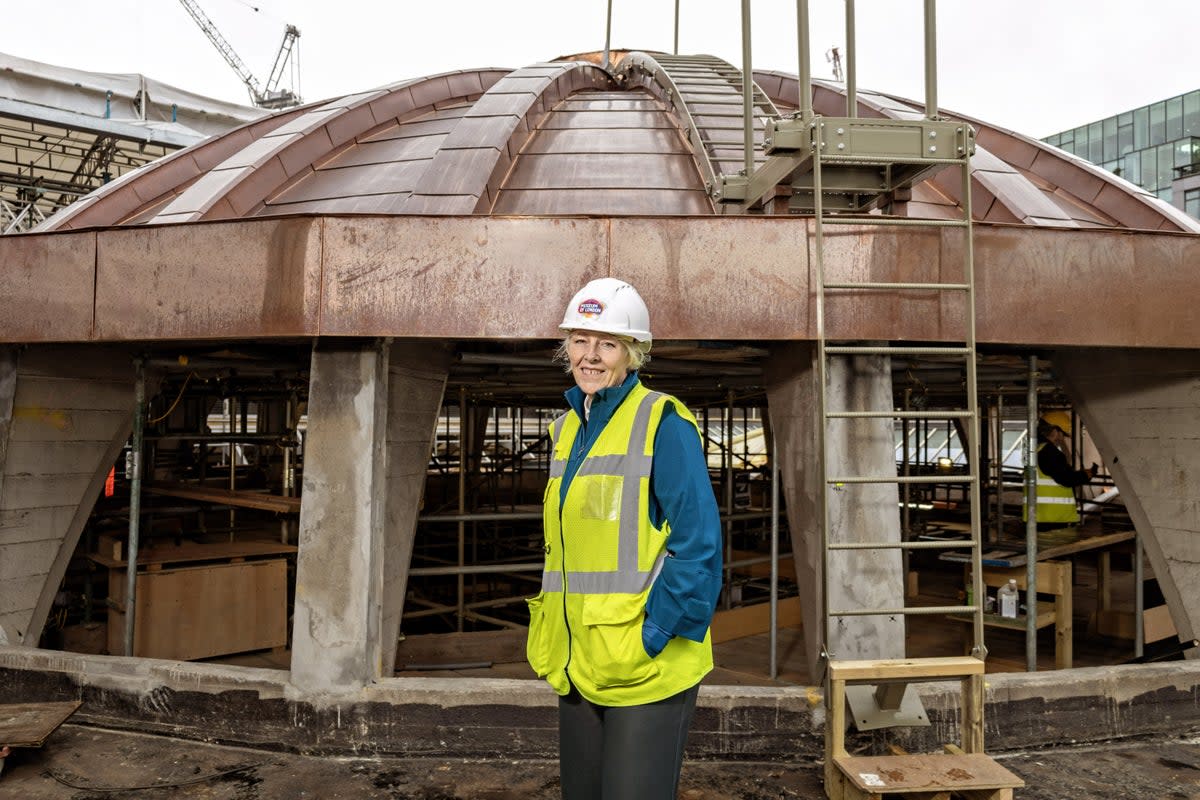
(713,278)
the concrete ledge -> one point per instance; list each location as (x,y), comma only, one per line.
(518,719)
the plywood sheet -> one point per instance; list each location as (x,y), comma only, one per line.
(28,724)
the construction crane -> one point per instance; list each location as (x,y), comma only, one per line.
(270,96)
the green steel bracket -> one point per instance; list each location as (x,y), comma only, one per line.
(865,161)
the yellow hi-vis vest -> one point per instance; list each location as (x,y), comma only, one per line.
(1055,503)
(602,555)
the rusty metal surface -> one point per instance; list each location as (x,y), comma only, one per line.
(46,284)
(28,724)
(455,277)
(247,279)
(707,278)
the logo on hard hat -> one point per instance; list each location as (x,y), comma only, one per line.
(591,309)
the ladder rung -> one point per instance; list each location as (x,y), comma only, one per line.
(904,545)
(928,286)
(956,414)
(855,479)
(910,611)
(887,350)
(880,220)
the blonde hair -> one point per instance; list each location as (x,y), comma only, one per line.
(636,353)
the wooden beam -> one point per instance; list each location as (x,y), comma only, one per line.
(737,623)
(240,499)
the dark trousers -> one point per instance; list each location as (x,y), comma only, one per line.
(622,753)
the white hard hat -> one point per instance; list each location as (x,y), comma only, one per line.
(608,305)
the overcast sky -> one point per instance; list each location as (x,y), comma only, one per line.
(1036,66)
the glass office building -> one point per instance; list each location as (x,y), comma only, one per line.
(1156,147)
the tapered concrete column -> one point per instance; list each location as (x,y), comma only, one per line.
(1142,409)
(65,414)
(416,382)
(859,579)
(336,644)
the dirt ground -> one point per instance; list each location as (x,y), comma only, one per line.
(85,763)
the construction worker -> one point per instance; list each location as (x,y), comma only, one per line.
(633,560)
(1056,478)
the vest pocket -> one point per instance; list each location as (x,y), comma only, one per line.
(612,649)
(537,645)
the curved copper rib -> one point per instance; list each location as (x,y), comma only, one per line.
(468,168)
(705,92)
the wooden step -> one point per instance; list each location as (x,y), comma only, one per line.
(906,668)
(969,776)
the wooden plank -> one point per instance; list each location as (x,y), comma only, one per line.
(902,669)
(736,623)
(439,649)
(926,773)
(170,553)
(198,612)
(29,724)
(1053,577)
(763,570)
(239,499)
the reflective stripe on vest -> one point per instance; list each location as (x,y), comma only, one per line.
(631,468)
(1055,503)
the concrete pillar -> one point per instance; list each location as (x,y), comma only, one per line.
(416,382)
(1142,409)
(336,644)
(859,579)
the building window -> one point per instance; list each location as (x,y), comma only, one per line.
(1191,202)
(1158,123)
(1141,129)
(1132,170)
(1174,118)
(1191,113)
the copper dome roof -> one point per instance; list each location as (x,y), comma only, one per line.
(565,138)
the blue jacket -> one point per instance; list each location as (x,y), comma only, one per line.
(684,595)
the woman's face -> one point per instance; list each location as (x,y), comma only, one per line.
(597,360)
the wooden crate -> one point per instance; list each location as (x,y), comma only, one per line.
(201,611)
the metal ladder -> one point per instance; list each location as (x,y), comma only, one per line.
(849,156)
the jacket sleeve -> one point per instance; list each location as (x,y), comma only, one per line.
(1052,462)
(684,595)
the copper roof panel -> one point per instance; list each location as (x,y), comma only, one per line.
(439,122)
(386,151)
(602,202)
(603,171)
(368,204)
(364,179)
(609,101)
(617,140)
(642,118)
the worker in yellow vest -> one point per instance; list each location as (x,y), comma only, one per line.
(1056,478)
(633,560)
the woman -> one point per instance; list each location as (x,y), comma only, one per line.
(633,561)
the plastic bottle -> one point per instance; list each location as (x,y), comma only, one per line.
(1008,599)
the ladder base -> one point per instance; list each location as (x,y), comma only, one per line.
(937,776)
